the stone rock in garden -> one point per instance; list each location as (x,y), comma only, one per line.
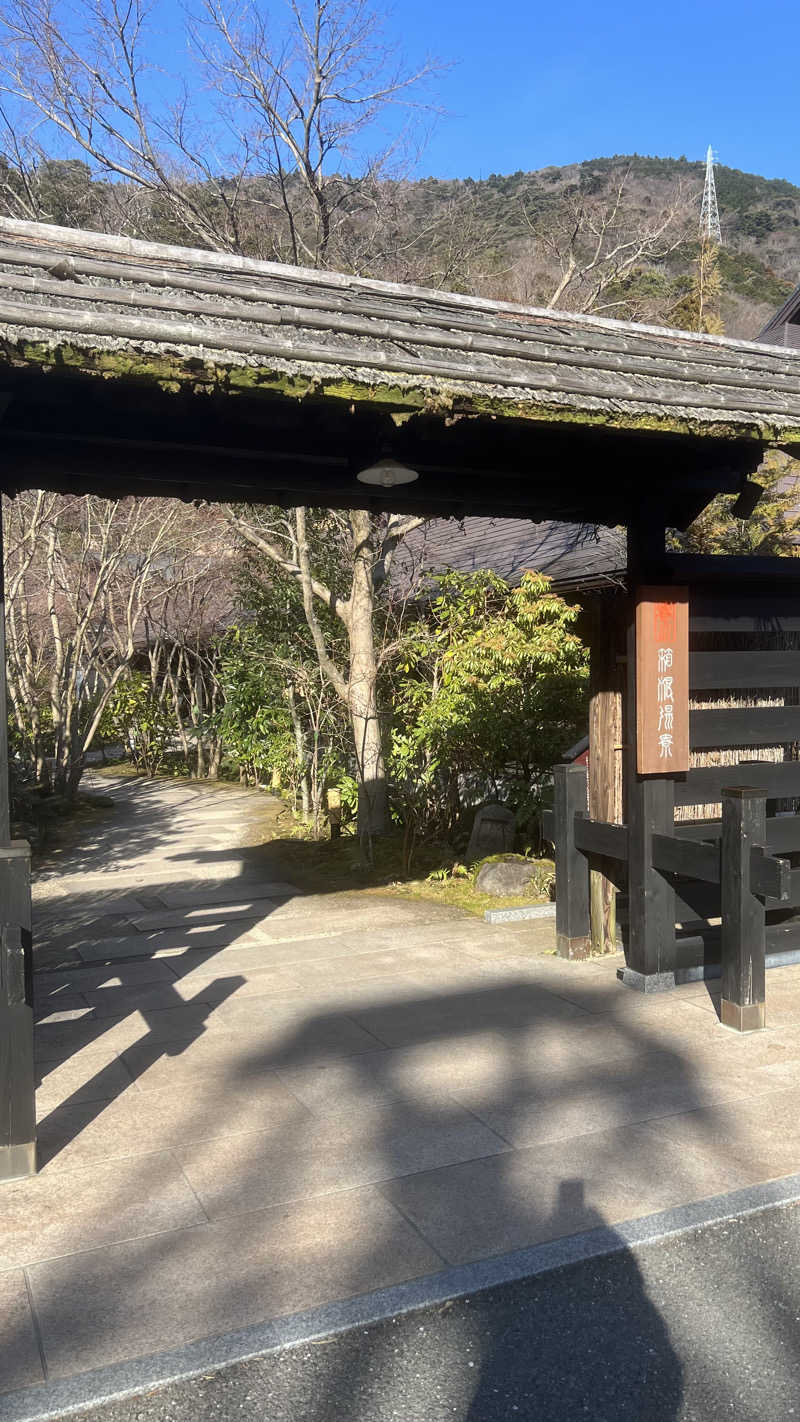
(492,832)
(506,877)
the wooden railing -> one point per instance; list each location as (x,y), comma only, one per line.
(724,871)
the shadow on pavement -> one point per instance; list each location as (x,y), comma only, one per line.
(342,1149)
(348,1133)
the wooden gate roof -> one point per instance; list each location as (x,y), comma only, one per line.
(134,366)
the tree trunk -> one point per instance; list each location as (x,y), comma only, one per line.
(363,684)
(372,796)
(214,760)
(607,615)
(197,717)
(301,753)
(42,771)
(74,773)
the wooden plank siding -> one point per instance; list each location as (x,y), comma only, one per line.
(703,785)
(744,677)
(743,668)
(745,614)
(744,726)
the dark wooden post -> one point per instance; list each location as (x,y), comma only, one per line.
(5,798)
(570,797)
(17,1079)
(649,808)
(744,825)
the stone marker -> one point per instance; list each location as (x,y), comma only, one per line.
(505,877)
(492,832)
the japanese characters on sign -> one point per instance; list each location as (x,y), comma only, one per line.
(662,681)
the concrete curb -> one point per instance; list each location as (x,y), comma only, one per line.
(120,1380)
(515,915)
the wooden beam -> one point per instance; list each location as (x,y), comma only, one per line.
(727,570)
(783,833)
(744,726)
(5,797)
(747,613)
(724,671)
(703,786)
(693,858)
(17,1075)
(597,837)
(697,859)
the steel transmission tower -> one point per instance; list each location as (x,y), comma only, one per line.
(709,213)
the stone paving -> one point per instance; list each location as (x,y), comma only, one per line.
(255,1101)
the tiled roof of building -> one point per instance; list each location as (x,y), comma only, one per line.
(573,555)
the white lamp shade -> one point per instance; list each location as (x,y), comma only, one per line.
(387,473)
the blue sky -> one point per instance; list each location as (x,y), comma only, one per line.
(534,84)
(530,84)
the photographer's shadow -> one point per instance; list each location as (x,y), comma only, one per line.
(583,1341)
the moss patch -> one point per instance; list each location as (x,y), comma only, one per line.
(173,372)
(336,866)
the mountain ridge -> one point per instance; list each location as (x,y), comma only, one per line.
(760,217)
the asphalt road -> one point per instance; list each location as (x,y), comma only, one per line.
(703,1327)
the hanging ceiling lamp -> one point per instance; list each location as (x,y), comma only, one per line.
(387,473)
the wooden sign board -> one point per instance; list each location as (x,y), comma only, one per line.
(662,681)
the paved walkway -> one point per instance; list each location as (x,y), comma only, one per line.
(254,1102)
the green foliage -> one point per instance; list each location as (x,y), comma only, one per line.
(281,713)
(736,191)
(347,785)
(757,224)
(510,674)
(743,273)
(254,722)
(449,871)
(56,190)
(141,721)
(490,687)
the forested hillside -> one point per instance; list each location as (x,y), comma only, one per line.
(760,257)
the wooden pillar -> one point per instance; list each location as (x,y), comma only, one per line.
(649,806)
(744,826)
(5,798)
(607,617)
(17,1078)
(572,868)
